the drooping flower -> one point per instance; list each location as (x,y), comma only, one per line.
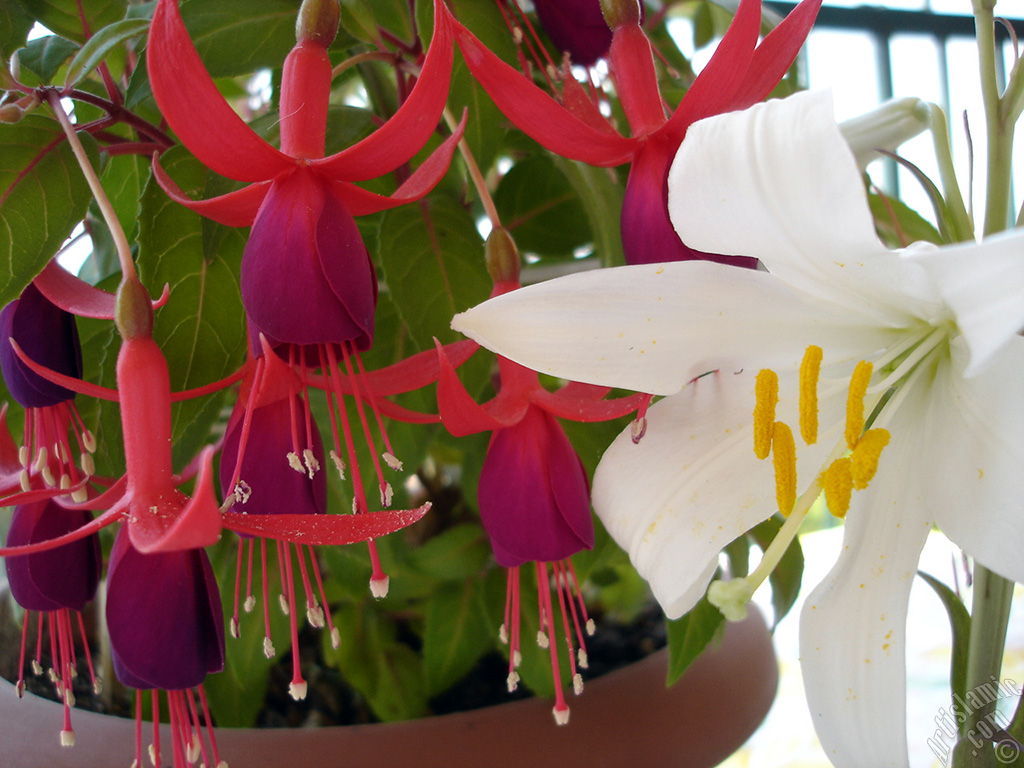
(576,26)
(55,585)
(166,633)
(939,325)
(308,284)
(533,493)
(54,431)
(740,73)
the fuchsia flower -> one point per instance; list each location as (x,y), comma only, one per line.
(308,284)
(576,26)
(533,495)
(49,335)
(740,73)
(55,585)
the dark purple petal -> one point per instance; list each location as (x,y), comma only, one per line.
(576,26)
(647,233)
(533,494)
(164,617)
(48,335)
(273,486)
(63,577)
(306,275)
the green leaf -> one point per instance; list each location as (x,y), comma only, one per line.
(461,552)
(689,635)
(43,195)
(14,27)
(455,636)
(539,207)
(947,224)
(386,671)
(960,625)
(62,16)
(601,197)
(45,55)
(788,574)
(237,694)
(201,329)
(898,225)
(703,26)
(92,54)
(433,262)
(234,37)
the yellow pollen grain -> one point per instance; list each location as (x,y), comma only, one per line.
(784,460)
(766,391)
(838,484)
(810,370)
(864,459)
(855,403)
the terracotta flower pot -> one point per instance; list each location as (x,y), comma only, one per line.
(625,718)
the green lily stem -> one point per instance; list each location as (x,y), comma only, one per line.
(990,613)
(999,130)
(963,227)
(124,251)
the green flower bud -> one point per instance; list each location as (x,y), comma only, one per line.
(502,256)
(133,310)
(618,13)
(318,21)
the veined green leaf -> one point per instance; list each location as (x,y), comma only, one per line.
(99,45)
(689,635)
(62,16)
(43,194)
(456,634)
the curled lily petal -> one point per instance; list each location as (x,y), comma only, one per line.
(195,109)
(410,127)
(624,327)
(324,529)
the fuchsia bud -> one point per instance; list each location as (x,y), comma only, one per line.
(620,12)
(502,258)
(133,310)
(318,22)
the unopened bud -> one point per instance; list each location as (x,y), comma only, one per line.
(318,22)
(133,310)
(885,128)
(502,257)
(618,13)
(11,113)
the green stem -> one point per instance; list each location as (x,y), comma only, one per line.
(124,251)
(999,131)
(990,613)
(963,227)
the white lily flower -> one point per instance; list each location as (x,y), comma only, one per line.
(941,326)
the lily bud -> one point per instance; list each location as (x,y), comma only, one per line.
(318,22)
(502,257)
(885,128)
(133,310)
(618,13)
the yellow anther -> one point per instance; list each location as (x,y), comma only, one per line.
(855,403)
(810,369)
(838,484)
(766,390)
(784,459)
(864,459)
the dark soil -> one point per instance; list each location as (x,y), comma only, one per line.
(329,701)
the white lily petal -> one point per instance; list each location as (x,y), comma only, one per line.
(983,283)
(741,184)
(853,625)
(655,327)
(693,483)
(973,478)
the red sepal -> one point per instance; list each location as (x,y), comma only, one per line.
(195,109)
(235,209)
(78,297)
(410,127)
(324,529)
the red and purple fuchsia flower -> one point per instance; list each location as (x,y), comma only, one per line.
(308,284)
(533,494)
(740,73)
